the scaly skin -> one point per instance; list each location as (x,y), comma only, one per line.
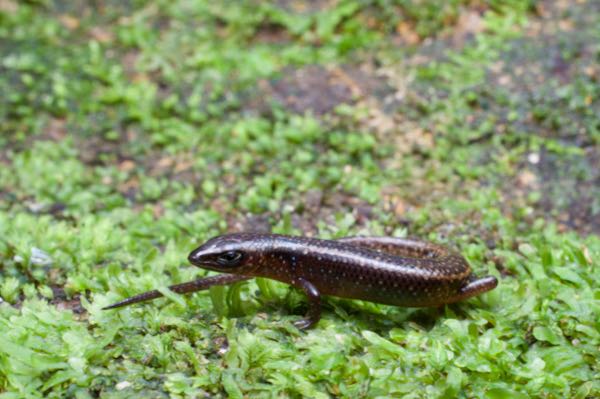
(387,270)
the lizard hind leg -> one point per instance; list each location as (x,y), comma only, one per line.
(476,286)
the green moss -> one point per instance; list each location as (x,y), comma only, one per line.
(130,134)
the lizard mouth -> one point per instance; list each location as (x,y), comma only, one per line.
(199,257)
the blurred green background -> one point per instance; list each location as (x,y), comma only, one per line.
(132,131)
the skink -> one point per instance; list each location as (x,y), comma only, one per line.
(388,270)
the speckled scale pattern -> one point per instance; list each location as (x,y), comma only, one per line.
(388,270)
(380,269)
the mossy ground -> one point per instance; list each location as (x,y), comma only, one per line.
(131,131)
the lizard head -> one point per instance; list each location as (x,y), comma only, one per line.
(237,253)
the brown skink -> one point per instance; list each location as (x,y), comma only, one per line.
(394,271)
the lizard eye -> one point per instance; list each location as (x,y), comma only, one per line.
(229,258)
